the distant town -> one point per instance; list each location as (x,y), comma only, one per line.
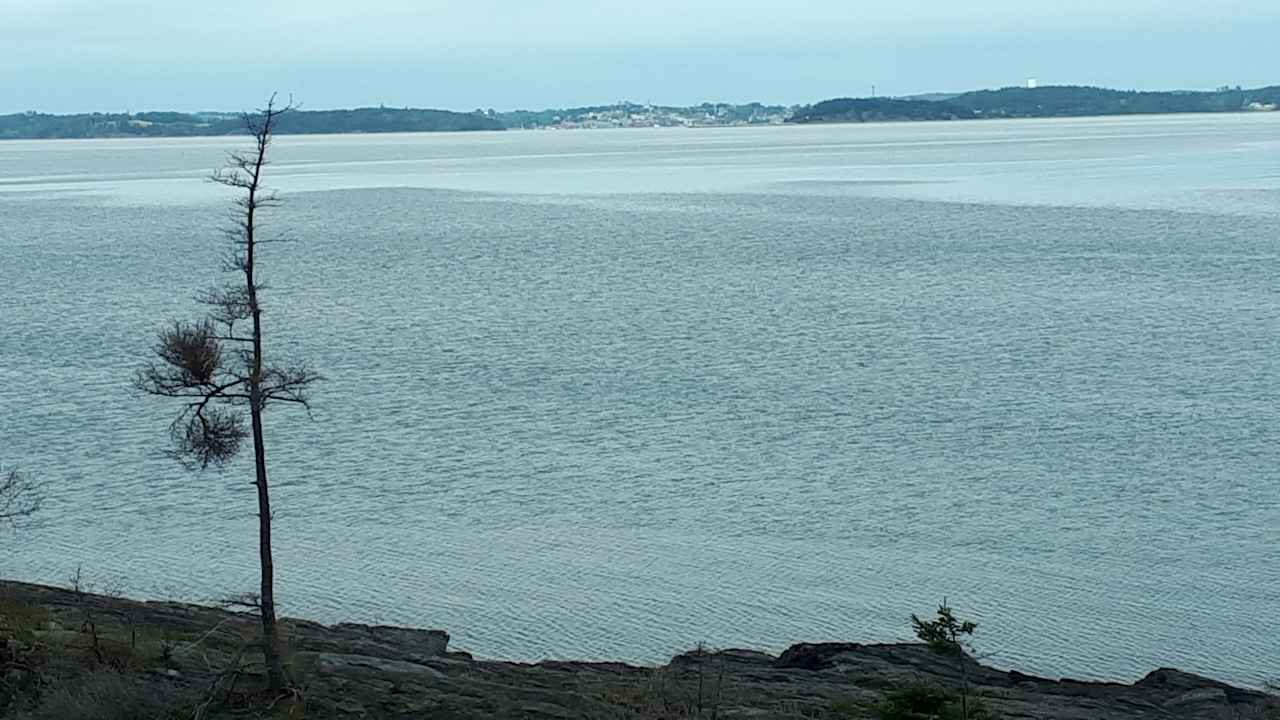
(628,114)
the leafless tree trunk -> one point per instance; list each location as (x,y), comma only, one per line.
(220,372)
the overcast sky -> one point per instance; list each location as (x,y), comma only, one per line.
(115,55)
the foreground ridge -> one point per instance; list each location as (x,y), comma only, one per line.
(62,649)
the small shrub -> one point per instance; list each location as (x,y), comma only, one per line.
(691,687)
(847,708)
(916,702)
(19,678)
(20,620)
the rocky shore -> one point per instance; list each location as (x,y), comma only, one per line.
(78,656)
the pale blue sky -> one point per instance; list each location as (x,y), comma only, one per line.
(113,55)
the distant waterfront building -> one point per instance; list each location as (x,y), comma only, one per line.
(1032,83)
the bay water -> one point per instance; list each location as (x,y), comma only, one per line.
(606,394)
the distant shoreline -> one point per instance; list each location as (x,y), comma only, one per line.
(1005,103)
(965,121)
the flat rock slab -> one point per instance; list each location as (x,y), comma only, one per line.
(366,667)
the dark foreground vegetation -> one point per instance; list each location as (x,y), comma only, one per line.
(66,654)
(1051,101)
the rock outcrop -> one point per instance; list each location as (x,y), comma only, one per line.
(349,672)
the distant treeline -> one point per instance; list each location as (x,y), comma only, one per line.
(1050,101)
(1013,102)
(299,122)
(878,110)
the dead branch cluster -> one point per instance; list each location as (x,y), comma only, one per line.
(209,368)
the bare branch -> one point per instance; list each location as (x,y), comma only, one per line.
(230,303)
(243,601)
(19,496)
(288,384)
(230,178)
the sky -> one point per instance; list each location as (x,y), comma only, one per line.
(132,55)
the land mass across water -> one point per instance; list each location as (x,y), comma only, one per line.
(68,654)
(1010,102)
(1039,102)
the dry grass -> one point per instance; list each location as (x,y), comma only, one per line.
(109,695)
(20,620)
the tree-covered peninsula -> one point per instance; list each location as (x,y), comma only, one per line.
(34,125)
(1049,101)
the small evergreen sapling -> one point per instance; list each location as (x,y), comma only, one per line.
(946,635)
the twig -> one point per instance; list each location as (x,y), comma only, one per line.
(215,688)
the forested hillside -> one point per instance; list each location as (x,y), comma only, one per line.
(174,124)
(1051,101)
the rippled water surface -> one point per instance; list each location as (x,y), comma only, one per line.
(607,394)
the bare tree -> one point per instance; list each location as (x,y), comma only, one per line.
(218,367)
(19,496)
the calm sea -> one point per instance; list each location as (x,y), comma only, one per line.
(606,394)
